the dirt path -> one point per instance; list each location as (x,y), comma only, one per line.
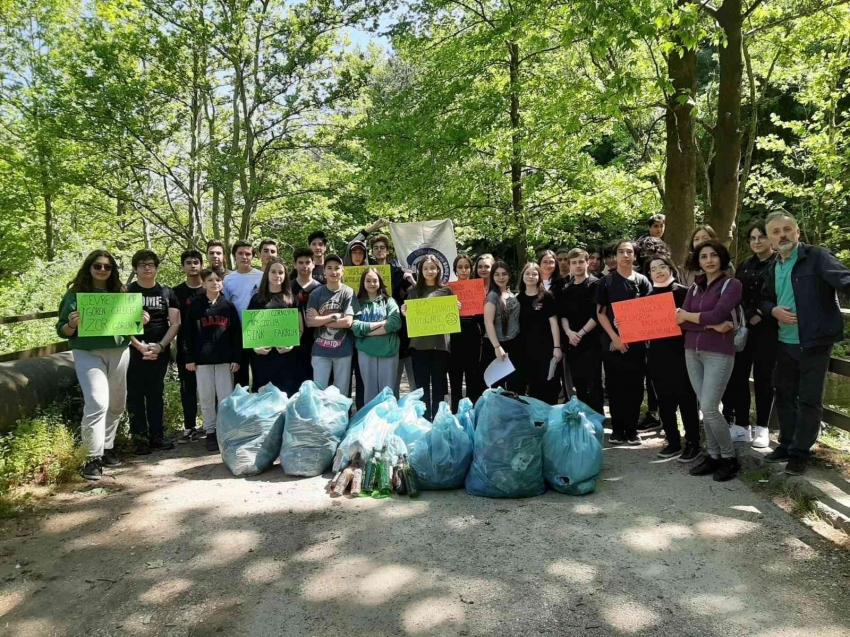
(182,548)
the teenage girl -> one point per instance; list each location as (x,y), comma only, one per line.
(465,357)
(501,320)
(540,334)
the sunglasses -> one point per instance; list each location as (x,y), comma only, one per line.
(101,266)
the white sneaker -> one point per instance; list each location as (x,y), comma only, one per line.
(740,434)
(762,438)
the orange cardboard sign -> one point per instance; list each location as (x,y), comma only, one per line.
(471,295)
(647,318)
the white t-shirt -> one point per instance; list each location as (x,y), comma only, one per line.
(239,288)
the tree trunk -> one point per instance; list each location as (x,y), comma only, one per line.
(680,174)
(516,154)
(727,130)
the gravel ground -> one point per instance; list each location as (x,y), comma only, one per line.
(177,546)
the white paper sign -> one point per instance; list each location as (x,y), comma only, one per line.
(497,370)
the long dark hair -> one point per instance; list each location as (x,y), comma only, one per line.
(556,274)
(83,282)
(502,306)
(486,255)
(464,256)
(420,278)
(362,295)
(541,291)
(285,293)
(691,249)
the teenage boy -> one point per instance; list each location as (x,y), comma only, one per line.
(609,255)
(268,251)
(192,288)
(302,287)
(800,293)
(212,349)
(624,364)
(318,242)
(563,259)
(149,356)
(657,226)
(594,262)
(239,287)
(576,304)
(331,311)
(215,257)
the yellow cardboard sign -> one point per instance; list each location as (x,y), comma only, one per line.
(351,275)
(429,317)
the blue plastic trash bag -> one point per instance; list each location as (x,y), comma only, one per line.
(316,420)
(539,410)
(441,458)
(413,398)
(358,417)
(466,416)
(507,459)
(411,424)
(372,432)
(572,453)
(596,419)
(250,429)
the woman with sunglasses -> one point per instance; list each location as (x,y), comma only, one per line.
(100,361)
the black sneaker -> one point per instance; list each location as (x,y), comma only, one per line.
(189,435)
(650,422)
(212,442)
(704,468)
(634,441)
(780,454)
(616,439)
(142,449)
(671,450)
(162,444)
(92,470)
(690,453)
(727,468)
(796,466)
(110,458)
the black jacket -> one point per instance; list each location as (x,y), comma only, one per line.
(212,333)
(752,273)
(815,278)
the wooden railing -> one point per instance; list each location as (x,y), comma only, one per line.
(35,352)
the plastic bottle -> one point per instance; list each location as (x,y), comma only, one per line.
(383,486)
(356,482)
(344,481)
(410,477)
(368,476)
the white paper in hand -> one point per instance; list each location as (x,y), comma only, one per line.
(497,370)
(553,365)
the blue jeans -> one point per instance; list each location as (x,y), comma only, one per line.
(709,373)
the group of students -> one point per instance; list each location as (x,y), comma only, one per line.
(557,310)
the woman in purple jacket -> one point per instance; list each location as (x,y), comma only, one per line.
(710,351)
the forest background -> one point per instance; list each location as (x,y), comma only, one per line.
(531,123)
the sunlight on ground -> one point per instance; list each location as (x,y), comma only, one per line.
(716,604)
(573,572)
(722,527)
(69,520)
(434,612)
(651,539)
(263,571)
(169,590)
(626,615)
(746,508)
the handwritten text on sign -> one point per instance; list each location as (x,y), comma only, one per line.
(352,273)
(471,296)
(428,317)
(108,314)
(646,319)
(270,328)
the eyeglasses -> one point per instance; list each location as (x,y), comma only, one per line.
(147,265)
(101,266)
(759,239)
(659,268)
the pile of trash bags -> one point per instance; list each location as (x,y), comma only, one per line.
(505,446)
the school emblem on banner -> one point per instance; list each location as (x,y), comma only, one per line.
(414,241)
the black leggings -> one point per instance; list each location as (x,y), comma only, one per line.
(624,374)
(429,369)
(465,361)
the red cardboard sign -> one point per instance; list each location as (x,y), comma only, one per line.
(647,318)
(471,295)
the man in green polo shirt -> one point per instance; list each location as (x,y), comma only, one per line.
(800,294)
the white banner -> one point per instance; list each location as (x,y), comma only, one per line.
(412,241)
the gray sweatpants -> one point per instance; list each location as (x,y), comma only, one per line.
(103,378)
(377,373)
(341,367)
(215,383)
(709,373)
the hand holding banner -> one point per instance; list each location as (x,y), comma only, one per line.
(270,328)
(647,318)
(351,275)
(471,295)
(429,317)
(110,314)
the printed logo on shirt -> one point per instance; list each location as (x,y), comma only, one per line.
(215,321)
(153,301)
(326,336)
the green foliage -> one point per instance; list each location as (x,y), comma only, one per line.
(40,450)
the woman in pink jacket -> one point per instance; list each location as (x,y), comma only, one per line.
(706,318)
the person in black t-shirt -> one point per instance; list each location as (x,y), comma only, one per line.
(538,328)
(625,365)
(186,292)
(149,356)
(577,309)
(302,286)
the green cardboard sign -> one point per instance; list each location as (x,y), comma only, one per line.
(110,314)
(429,317)
(270,328)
